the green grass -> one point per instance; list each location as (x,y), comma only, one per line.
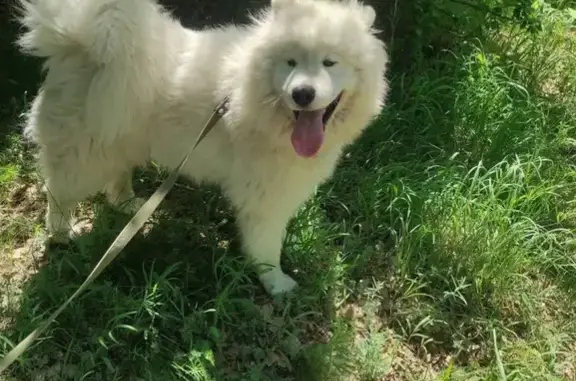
(442,249)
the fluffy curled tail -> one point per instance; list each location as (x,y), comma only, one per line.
(120,38)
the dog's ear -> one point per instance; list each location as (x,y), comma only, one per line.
(368,15)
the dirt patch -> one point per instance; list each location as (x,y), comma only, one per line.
(22,246)
(17,266)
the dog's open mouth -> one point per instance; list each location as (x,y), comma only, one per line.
(309,127)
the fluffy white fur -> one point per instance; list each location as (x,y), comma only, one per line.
(126,83)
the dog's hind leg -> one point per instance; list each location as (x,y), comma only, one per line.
(63,196)
(70,178)
(59,221)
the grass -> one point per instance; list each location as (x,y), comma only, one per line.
(442,249)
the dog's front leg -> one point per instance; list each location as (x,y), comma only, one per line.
(262,234)
(120,193)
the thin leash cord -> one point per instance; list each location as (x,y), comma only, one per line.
(129,231)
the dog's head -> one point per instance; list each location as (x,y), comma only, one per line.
(317,62)
(311,85)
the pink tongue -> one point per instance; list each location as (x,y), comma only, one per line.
(308,133)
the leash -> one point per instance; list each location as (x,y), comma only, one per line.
(121,240)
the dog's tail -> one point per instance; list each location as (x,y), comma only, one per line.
(118,37)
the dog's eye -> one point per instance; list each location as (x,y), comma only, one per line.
(329,63)
(291,62)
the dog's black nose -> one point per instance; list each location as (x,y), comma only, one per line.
(303,95)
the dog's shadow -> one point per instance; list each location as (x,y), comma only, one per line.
(192,228)
(182,279)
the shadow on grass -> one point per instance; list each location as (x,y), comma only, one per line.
(179,301)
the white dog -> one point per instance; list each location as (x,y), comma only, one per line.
(126,83)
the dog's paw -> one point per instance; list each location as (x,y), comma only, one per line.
(63,236)
(277,282)
(60,237)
